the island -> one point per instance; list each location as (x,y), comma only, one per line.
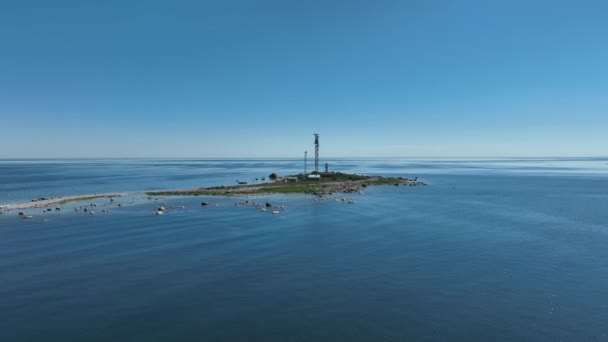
(316,183)
(325,183)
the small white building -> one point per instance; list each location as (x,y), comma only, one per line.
(314,177)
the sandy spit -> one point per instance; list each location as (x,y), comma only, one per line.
(61,200)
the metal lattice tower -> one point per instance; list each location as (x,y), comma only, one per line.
(305,157)
(316,152)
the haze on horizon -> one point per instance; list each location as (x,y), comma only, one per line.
(255,79)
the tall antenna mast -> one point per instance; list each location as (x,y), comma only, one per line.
(316,152)
(305,155)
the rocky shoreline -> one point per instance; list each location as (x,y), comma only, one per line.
(318,188)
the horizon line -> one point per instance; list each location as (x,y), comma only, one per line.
(297,158)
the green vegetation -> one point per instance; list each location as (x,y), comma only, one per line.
(84,198)
(342,177)
(286,188)
(329,183)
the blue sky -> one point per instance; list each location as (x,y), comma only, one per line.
(257,78)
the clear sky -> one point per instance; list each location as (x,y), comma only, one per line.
(258,78)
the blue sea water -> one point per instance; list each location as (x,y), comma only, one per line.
(493,249)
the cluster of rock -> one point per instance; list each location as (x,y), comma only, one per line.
(86,209)
(352,187)
(261,206)
(24,215)
(161,210)
(40,199)
(411,182)
(331,188)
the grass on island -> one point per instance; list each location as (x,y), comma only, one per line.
(284,186)
(84,198)
(257,189)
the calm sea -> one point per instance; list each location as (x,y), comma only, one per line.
(492,250)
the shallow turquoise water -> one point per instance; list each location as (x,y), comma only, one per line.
(491,250)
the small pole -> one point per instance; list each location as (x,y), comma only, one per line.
(316,152)
(305,155)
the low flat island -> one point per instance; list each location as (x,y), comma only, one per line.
(319,184)
(327,183)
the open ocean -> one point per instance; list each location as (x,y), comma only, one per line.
(492,250)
